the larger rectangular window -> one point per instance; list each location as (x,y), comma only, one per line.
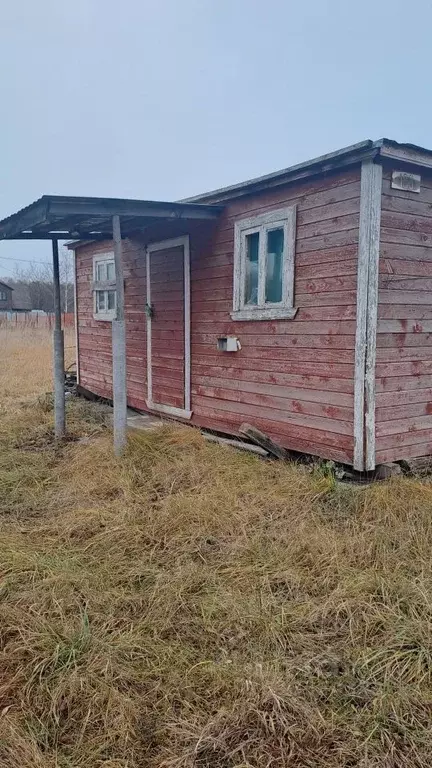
(104,285)
(264,249)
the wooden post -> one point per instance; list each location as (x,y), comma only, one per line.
(367,310)
(119,348)
(58,350)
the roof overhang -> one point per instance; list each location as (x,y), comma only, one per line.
(90,218)
(54,217)
(405,153)
(342,158)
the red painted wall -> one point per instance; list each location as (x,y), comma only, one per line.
(292,378)
(404,340)
(168,326)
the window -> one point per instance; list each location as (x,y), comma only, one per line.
(264,249)
(104,284)
(3,295)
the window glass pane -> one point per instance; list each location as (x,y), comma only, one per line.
(101,271)
(275,247)
(111,299)
(110,270)
(100,301)
(251,269)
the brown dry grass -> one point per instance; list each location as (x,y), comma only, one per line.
(26,369)
(192,606)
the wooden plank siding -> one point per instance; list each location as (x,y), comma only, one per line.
(293,379)
(404,337)
(94,336)
(167,300)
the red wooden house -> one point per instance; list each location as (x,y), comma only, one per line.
(304,308)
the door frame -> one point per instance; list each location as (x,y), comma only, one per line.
(171,410)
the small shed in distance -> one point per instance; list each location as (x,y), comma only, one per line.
(5,297)
(14,298)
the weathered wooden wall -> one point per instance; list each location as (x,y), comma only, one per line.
(167,331)
(94,336)
(292,378)
(404,340)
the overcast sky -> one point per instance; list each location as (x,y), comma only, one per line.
(160,99)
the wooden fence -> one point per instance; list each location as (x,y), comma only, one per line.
(33,320)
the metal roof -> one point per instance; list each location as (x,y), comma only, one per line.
(355,153)
(57,217)
(89,218)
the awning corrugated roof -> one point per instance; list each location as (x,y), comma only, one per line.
(57,217)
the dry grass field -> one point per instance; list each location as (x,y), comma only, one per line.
(194,607)
(26,369)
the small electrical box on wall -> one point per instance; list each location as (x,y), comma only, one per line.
(409,182)
(228,344)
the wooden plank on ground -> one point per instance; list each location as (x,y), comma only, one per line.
(263,440)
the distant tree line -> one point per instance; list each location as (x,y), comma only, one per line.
(33,284)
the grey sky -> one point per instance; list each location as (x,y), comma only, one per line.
(164,99)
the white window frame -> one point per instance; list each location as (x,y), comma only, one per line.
(3,296)
(103,286)
(283,218)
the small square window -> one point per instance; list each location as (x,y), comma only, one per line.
(105,305)
(101,271)
(251,269)
(100,301)
(264,252)
(111,299)
(274,265)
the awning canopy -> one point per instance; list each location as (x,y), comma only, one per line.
(54,217)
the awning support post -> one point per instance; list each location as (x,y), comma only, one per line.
(119,347)
(58,350)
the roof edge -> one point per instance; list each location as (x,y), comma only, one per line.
(341,157)
(385,148)
(72,245)
(411,154)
